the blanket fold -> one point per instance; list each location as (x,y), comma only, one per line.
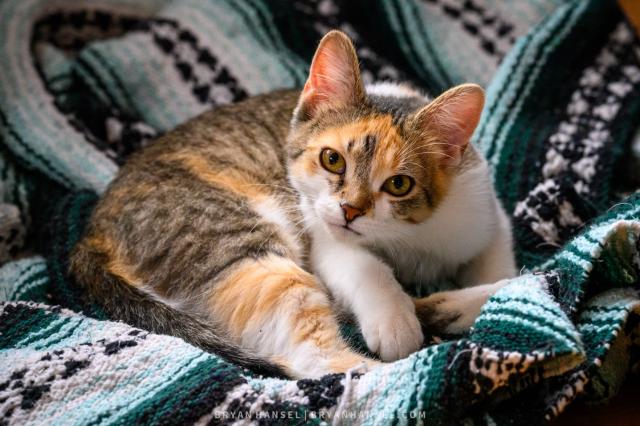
(86,84)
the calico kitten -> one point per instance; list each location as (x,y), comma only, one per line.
(212,232)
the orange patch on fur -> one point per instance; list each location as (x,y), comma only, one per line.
(338,137)
(257,288)
(119,194)
(230,179)
(134,191)
(115,264)
(311,167)
(311,325)
(440,181)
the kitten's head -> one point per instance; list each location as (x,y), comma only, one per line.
(369,162)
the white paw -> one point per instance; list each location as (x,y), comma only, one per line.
(393,330)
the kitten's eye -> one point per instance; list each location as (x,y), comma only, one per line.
(398,185)
(333,161)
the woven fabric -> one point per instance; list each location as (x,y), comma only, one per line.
(85,84)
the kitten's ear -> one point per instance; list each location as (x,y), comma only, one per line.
(450,119)
(334,77)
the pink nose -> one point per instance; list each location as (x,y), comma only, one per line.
(350,212)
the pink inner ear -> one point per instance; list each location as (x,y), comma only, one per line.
(334,74)
(454,116)
(465,116)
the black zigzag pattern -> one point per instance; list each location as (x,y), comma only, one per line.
(210,81)
(494,33)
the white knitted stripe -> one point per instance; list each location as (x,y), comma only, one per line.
(599,233)
(534,310)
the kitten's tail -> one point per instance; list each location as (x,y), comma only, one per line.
(133,306)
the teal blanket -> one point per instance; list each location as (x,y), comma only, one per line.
(84,84)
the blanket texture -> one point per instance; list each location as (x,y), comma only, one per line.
(84,84)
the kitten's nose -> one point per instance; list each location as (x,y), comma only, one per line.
(350,212)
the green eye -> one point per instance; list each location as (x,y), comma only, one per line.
(398,185)
(332,161)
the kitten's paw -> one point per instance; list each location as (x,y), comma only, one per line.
(393,332)
(454,312)
(442,313)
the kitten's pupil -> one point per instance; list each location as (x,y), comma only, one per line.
(398,182)
(333,158)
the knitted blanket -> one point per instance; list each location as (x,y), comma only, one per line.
(84,84)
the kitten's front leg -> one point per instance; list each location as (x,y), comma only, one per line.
(366,286)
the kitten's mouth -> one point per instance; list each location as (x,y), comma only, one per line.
(352,230)
(345,227)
